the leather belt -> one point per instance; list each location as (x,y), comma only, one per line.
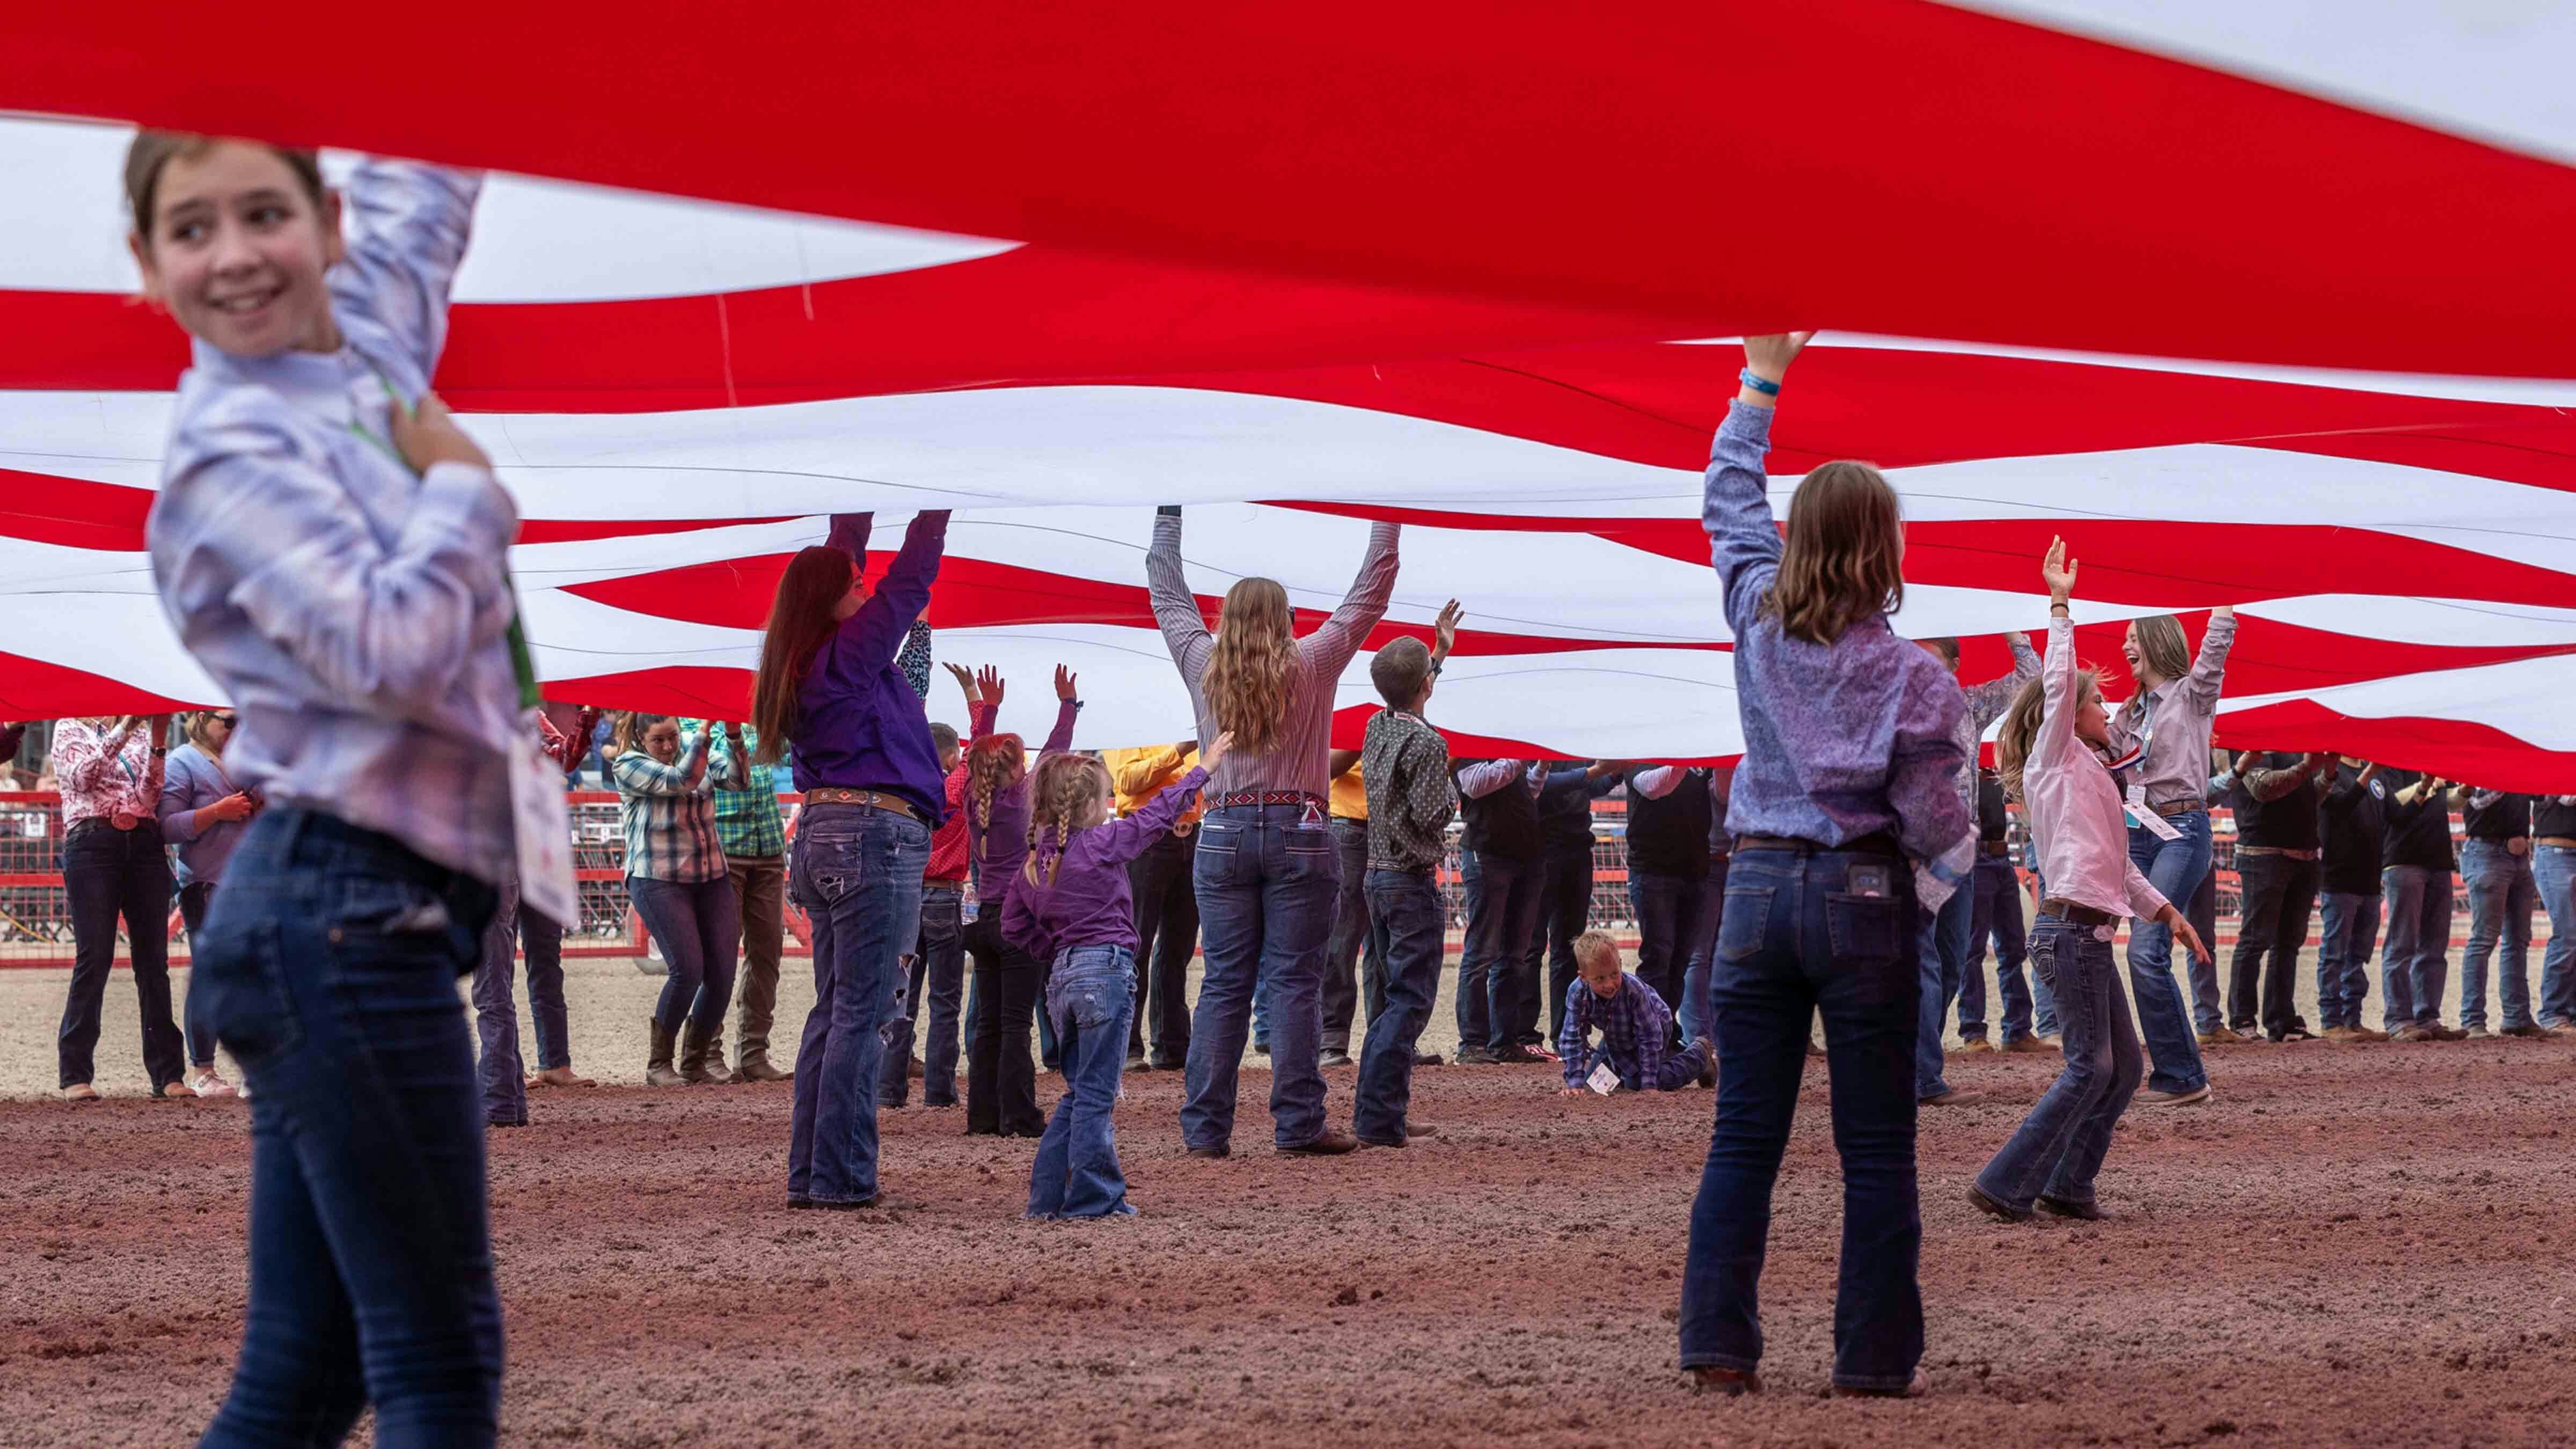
(871,799)
(2172,808)
(2561,841)
(2066,910)
(1265,797)
(1999,849)
(2281,851)
(1875,843)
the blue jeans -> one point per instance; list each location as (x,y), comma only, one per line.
(2175,868)
(192,1014)
(1799,942)
(938,966)
(1090,996)
(1941,949)
(330,962)
(2059,1147)
(2553,875)
(2501,897)
(1406,915)
(1352,967)
(1691,1012)
(2419,944)
(2343,956)
(699,924)
(2206,1009)
(1266,877)
(857,872)
(1497,990)
(1995,919)
(1667,908)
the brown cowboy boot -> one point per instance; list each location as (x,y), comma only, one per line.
(657,1066)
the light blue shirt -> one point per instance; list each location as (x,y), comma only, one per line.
(353,613)
(190,781)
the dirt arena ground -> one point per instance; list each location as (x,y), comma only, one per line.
(2352,1245)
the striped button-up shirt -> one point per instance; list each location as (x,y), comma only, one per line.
(353,611)
(669,811)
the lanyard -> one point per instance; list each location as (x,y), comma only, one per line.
(521,662)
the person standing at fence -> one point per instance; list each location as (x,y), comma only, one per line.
(1945,933)
(832,697)
(1668,824)
(753,837)
(1847,814)
(1167,905)
(1498,871)
(2160,739)
(939,953)
(1996,921)
(1001,1084)
(2351,824)
(496,1012)
(1266,872)
(203,814)
(113,867)
(2495,867)
(2416,877)
(675,875)
(331,547)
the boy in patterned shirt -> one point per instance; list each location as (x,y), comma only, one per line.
(1633,1020)
(1405,765)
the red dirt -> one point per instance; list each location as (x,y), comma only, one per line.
(2362,1245)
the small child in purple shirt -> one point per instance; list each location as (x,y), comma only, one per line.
(1070,903)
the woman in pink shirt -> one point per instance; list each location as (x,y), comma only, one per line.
(2051,752)
(114,866)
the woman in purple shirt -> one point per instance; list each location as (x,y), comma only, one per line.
(831,695)
(1070,903)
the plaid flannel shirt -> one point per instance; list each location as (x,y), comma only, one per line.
(1632,1025)
(669,813)
(748,824)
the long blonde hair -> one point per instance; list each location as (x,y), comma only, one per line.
(2021,724)
(1252,670)
(993,764)
(1058,792)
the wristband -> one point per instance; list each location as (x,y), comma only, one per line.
(1169,510)
(1762,385)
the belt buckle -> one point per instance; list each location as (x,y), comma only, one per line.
(126,820)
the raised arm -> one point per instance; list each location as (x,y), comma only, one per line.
(1658,782)
(1339,637)
(386,629)
(1148,769)
(1483,778)
(82,756)
(640,774)
(1124,840)
(2209,668)
(731,763)
(1176,609)
(1060,738)
(1988,701)
(2268,785)
(913,660)
(1735,504)
(868,639)
(2055,737)
(850,535)
(413,222)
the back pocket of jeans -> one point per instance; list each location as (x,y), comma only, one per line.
(240,974)
(1747,921)
(1866,928)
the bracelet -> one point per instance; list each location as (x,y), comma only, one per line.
(1436,666)
(1762,385)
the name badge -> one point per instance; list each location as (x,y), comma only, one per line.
(2139,814)
(1602,1080)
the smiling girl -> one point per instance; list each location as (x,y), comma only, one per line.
(330,546)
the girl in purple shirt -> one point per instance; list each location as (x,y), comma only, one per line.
(1070,903)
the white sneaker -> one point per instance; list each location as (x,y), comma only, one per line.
(211,1083)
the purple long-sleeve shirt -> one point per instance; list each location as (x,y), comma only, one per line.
(859,725)
(1088,902)
(1841,740)
(997,830)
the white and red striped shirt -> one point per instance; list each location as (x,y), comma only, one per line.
(106,775)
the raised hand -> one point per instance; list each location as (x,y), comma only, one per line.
(1215,751)
(2058,572)
(988,684)
(965,682)
(1064,684)
(1444,630)
(1769,356)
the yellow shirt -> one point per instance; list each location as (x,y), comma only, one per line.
(1137,775)
(1350,795)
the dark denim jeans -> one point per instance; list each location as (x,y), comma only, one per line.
(496,1012)
(1406,915)
(1799,941)
(1266,878)
(2501,898)
(699,924)
(2553,875)
(1564,912)
(1941,949)
(1691,1012)
(2351,930)
(107,874)
(2279,895)
(1167,936)
(2418,961)
(938,967)
(193,899)
(857,872)
(1001,1080)
(330,962)
(1090,994)
(1994,920)
(2206,1014)
(2175,868)
(1497,987)
(1352,940)
(2058,1148)
(1667,908)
